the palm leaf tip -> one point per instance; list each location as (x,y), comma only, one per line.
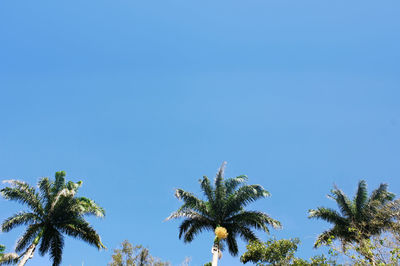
(312,213)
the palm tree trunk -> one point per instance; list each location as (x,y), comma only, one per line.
(27,255)
(29,252)
(215,252)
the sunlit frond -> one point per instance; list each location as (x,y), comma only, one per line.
(23,193)
(232,184)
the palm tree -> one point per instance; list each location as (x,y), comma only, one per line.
(224,207)
(358,219)
(54,211)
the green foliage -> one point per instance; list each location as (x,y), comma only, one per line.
(208,264)
(54,211)
(275,252)
(130,255)
(280,252)
(224,206)
(379,250)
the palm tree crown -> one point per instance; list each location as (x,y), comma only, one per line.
(358,219)
(54,211)
(224,206)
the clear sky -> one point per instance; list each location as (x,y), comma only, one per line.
(137,98)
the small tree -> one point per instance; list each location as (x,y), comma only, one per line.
(280,253)
(275,252)
(129,255)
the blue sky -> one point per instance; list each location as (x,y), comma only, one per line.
(137,98)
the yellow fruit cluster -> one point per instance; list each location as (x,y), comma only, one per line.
(221,232)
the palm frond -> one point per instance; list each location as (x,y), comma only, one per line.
(45,241)
(231,184)
(220,190)
(28,237)
(184,213)
(246,233)
(81,229)
(86,206)
(56,247)
(381,194)
(8,258)
(74,186)
(232,244)
(21,218)
(59,183)
(324,238)
(344,203)
(23,193)
(327,214)
(45,185)
(244,196)
(361,197)
(191,227)
(255,219)
(191,201)
(206,187)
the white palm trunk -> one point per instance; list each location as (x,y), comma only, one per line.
(28,255)
(216,254)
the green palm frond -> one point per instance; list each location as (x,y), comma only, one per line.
(59,183)
(381,194)
(56,247)
(81,229)
(327,214)
(45,186)
(185,213)
(30,234)
(205,185)
(232,184)
(232,244)
(255,219)
(21,218)
(324,238)
(193,227)
(244,196)
(23,193)
(220,190)
(45,241)
(245,233)
(361,197)
(344,203)
(191,201)
(86,206)
(74,186)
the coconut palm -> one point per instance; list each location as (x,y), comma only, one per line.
(357,219)
(224,207)
(54,211)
